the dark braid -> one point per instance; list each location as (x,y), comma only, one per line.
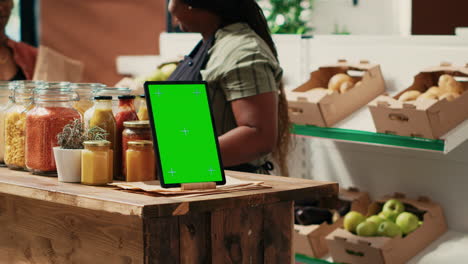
(248,11)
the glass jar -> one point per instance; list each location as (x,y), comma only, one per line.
(143,109)
(86,92)
(15,123)
(6,101)
(52,111)
(134,130)
(103,117)
(114,92)
(140,161)
(126,112)
(96,163)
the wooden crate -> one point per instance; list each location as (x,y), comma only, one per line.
(43,221)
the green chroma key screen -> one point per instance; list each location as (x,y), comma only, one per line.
(185,140)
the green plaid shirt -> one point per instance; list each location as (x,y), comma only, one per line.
(240,65)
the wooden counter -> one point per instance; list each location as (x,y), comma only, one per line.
(44,221)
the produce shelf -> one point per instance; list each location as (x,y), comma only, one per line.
(449,248)
(369,138)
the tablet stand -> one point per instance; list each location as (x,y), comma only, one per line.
(198,186)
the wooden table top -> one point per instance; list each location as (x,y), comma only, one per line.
(116,201)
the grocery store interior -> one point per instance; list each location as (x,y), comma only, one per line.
(375,168)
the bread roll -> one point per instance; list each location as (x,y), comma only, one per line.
(434,90)
(427,95)
(346,86)
(335,82)
(448,84)
(449,96)
(409,96)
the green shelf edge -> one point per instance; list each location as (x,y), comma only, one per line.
(308,260)
(369,137)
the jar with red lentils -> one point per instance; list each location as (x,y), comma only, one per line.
(53,109)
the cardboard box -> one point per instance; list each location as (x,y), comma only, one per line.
(310,240)
(319,107)
(346,247)
(422,118)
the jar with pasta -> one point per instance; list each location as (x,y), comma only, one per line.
(52,111)
(103,117)
(6,101)
(15,124)
(134,130)
(86,93)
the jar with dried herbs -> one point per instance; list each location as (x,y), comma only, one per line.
(86,93)
(15,123)
(103,117)
(6,101)
(53,110)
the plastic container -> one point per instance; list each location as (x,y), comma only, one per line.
(52,111)
(15,123)
(134,130)
(86,91)
(96,163)
(140,161)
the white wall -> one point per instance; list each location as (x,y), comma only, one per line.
(375,17)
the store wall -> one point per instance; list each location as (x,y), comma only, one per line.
(376,17)
(96,32)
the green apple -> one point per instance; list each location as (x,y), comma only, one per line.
(366,228)
(389,215)
(376,219)
(407,222)
(352,220)
(388,229)
(393,205)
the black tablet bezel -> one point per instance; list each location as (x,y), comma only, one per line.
(155,139)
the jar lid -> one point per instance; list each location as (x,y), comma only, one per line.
(137,124)
(57,85)
(97,143)
(103,97)
(126,97)
(92,86)
(142,96)
(140,143)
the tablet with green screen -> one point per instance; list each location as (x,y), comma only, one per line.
(185,141)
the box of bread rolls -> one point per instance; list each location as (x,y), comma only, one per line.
(434,104)
(334,92)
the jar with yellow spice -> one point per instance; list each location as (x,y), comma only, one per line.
(96,163)
(15,123)
(86,93)
(140,161)
(103,117)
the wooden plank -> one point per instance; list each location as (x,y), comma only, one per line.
(195,238)
(161,240)
(110,200)
(278,221)
(237,236)
(33,231)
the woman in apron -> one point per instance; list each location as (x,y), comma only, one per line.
(238,60)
